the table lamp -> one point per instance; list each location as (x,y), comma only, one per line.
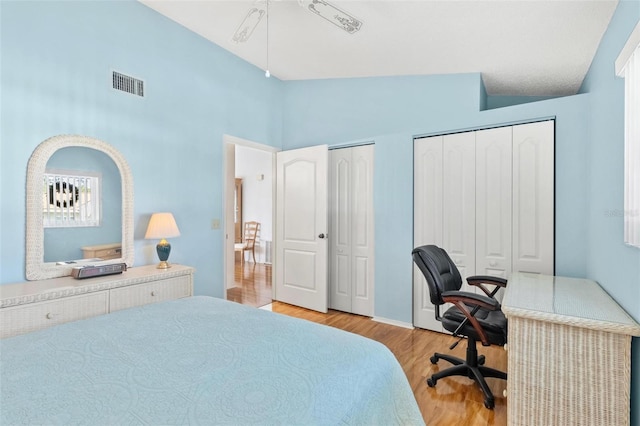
(162,225)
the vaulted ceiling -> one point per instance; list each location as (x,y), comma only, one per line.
(526,48)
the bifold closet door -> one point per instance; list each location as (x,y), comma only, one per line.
(533,198)
(493,202)
(427,220)
(444,211)
(458,202)
(351,248)
(487,197)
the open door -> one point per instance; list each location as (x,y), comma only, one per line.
(301,227)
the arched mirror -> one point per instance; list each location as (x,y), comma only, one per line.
(79,198)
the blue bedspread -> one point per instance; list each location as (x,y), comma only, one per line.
(200,361)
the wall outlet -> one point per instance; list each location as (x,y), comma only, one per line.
(215,224)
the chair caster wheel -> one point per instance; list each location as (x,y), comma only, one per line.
(489,403)
(434,359)
(431,382)
(481,360)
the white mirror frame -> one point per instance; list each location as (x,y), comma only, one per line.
(36,268)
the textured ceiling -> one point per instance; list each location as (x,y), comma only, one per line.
(528,48)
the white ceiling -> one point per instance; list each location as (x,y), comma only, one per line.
(528,48)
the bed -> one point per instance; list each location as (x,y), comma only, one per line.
(200,361)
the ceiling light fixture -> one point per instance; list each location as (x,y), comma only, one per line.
(335,15)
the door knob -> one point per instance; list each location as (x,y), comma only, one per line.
(322,236)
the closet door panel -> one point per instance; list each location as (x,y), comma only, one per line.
(340,230)
(493,202)
(340,297)
(362,299)
(428,191)
(362,230)
(428,186)
(459,196)
(351,230)
(533,197)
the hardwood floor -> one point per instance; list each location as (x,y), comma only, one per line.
(252,284)
(453,401)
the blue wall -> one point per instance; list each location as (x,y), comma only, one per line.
(610,262)
(57,59)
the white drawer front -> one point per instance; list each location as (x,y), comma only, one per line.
(153,292)
(31,317)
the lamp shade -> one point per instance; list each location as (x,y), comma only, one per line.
(162,225)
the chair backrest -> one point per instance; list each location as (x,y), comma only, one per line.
(439,271)
(251,233)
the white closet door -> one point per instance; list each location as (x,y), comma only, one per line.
(459,199)
(427,194)
(340,230)
(493,202)
(533,197)
(352,233)
(362,231)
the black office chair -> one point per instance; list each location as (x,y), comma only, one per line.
(477,316)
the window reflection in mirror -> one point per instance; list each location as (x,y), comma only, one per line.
(64,243)
(71,198)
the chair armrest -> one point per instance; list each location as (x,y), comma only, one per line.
(463,299)
(502,282)
(471,299)
(479,280)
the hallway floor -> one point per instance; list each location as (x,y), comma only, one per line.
(253,284)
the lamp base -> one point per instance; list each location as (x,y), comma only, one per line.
(163,249)
(163,265)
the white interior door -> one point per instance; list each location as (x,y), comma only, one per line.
(459,202)
(493,202)
(427,221)
(301,227)
(362,230)
(340,264)
(533,197)
(351,248)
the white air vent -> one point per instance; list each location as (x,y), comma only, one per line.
(128,84)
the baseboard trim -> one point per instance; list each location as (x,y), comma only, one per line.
(393,322)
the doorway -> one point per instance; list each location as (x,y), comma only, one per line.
(249,200)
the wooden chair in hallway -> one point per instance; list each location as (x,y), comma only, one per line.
(251,234)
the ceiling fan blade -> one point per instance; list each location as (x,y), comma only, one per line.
(250,22)
(333,14)
(322,8)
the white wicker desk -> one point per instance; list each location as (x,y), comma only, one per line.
(569,353)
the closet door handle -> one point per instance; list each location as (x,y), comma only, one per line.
(323,236)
